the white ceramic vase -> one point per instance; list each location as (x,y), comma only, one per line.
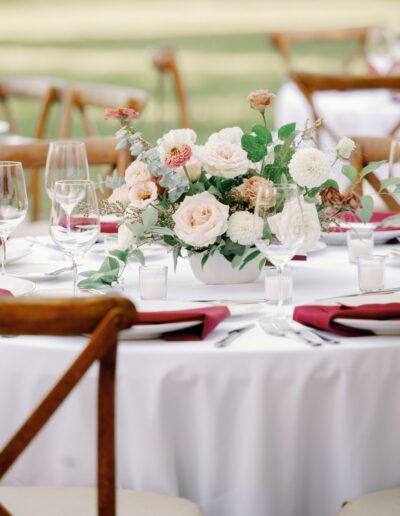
(219,271)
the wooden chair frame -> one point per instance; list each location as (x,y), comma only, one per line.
(104,318)
(164,60)
(310,83)
(100,151)
(367,151)
(283,40)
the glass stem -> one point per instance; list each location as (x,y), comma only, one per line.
(3,240)
(68,213)
(75,275)
(280,288)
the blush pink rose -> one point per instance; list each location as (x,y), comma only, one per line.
(137,172)
(120,194)
(260,100)
(142,194)
(249,189)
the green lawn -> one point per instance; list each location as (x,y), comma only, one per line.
(223,52)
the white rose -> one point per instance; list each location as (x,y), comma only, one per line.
(309,167)
(193,168)
(290,226)
(142,194)
(137,172)
(125,237)
(224,159)
(345,147)
(229,134)
(242,228)
(200,219)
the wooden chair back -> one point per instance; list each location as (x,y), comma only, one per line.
(100,151)
(102,317)
(310,83)
(284,41)
(46,91)
(165,62)
(82,97)
(367,151)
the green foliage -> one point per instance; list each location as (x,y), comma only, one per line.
(149,217)
(231,249)
(371,167)
(286,130)
(367,208)
(350,172)
(391,181)
(249,258)
(254,146)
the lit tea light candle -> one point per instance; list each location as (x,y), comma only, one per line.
(272,285)
(153,282)
(371,271)
(360,243)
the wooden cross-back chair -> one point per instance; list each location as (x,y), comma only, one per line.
(46,91)
(284,41)
(100,151)
(310,83)
(103,318)
(367,151)
(165,62)
(83,96)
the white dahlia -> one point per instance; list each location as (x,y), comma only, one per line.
(242,228)
(309,167)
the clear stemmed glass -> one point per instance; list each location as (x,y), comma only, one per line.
(75,219)
(65,160)
(13,202)
(378,50)
(279,224)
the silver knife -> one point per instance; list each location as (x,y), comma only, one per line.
(232,335)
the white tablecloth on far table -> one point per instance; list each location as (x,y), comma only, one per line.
(267,426)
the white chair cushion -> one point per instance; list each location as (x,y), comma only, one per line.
(381,503)
(68,501)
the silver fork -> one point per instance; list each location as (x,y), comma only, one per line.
(274,328)
(305,330)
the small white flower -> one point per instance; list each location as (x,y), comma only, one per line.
(125,237)
(242,228)
(345,147)
(309,167)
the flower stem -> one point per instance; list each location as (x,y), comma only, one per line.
(188,178)
(266,145)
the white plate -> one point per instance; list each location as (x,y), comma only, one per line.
(154,331)
(377,327)
(36,270)
(319,246)
(16,249)
(17,286)
(339,237)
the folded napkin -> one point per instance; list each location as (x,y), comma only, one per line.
(108,227)
(210,317)
(5,293)
(323,317)
(376,217)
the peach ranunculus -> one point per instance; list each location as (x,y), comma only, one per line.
(142,194)
(193,168)
(176,147)
(260,100)
(249,189)
(200,219)
(120,113)
(120,194)
(137,172)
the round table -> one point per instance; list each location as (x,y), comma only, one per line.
(267,426)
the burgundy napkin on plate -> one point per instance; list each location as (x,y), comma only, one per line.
(108,227)
(210,317)
(323,317)
(5,293)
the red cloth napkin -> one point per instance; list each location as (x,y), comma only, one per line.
(5,293)
(108,227)
(210,317)
(323,317)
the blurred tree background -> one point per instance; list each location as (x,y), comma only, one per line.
(222,49)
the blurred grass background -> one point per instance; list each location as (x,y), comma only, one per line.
(222,49)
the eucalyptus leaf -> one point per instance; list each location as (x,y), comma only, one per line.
(371,167)
(123,142)
(367,208)
(237,260)
(391,222)
(350,172)
(139,255)
(149,217)
(137,229)
(390,181)
(328,183)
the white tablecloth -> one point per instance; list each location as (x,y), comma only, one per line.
(355,113)
(267,426)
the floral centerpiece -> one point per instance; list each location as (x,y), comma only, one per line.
(199,200)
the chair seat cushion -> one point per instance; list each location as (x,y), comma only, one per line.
(380,503)
(68,501)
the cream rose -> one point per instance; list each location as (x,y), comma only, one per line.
(142,194)
(137,172)
(120,194)
(200,219)
(125,237)
(345,147)
(228,134)
(224,159)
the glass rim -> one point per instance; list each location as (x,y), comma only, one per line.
(67,142)
(73,181)
(10,163)
(371,258)
(152,267)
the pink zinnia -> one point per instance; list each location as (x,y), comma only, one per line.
(178,156)
(120,113)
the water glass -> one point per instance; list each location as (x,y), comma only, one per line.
(153,281)
(371,273)
(360,242)
(271,283)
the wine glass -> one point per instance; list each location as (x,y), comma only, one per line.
(13,202)
(75,219)
(65,160)
(279,227)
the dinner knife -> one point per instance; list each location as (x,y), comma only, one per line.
(232,335)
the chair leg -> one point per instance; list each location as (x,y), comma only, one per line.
(35,194)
